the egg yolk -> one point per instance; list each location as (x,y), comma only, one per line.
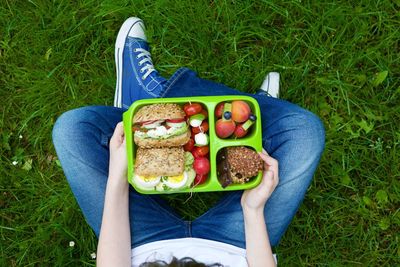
(148,179)
(176,179)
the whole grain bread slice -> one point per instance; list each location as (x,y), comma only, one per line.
(244,163)
(159,161)
(158,112)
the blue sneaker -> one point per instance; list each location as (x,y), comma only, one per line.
(136,76)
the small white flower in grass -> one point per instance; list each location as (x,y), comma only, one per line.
(20,136)
(14,162)
(93,255)
(71,243)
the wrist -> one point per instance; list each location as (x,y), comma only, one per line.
(117,183)
(253,212)
(117,174)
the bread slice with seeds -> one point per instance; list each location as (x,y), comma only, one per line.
(152,162)
(158,112)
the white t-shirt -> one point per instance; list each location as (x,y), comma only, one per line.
(202,250)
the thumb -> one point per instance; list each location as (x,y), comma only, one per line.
(267,181)
(119,129)
(123,140)
(118,135)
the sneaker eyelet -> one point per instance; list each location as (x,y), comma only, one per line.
(134,50)
(137,57)
(141,71)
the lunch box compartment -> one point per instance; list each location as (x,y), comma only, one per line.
(254,180)
(251,132)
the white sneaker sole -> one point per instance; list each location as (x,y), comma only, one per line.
(119,49)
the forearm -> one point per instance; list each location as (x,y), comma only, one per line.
(114,248)
(258,248)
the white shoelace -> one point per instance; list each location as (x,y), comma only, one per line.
(149,67)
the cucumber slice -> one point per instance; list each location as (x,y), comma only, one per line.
(152,125)
(176,124)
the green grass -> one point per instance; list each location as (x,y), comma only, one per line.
(333,58)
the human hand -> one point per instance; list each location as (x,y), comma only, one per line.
(255,199)
(118,160)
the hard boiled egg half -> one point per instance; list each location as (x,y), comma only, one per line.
(177,181)
(147,183)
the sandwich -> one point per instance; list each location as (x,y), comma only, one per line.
(160,125)
(163,169)
(237,165)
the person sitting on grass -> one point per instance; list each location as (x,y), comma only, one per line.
(142,230)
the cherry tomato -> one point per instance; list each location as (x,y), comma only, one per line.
(219,110)
(202,128)
(205,113)
(200,179)
(200,151)
(195,130)
(189,145)
(192,109)
(176,120)
(201,165)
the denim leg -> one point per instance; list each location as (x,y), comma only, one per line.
(81,138)
(292,135)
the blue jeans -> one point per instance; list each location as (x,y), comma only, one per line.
(292,135)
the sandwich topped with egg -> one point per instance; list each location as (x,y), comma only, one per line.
(163,169)
(160,125)
(160,131)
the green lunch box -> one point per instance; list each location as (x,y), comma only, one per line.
(252,140)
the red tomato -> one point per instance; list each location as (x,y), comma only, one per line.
(135,128)
(194,153)
(195,130)
(192,109)
(200,179)
(201,165)
(219,110)
(202,128)
(176,120)
(200,151)
(189,145)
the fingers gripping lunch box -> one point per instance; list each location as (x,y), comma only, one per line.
(253,140)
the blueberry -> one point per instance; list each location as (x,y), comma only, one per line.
(252,117)
(227,115)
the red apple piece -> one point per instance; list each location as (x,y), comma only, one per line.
(224,128)
(242,129)
(219,110)
(240,111)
